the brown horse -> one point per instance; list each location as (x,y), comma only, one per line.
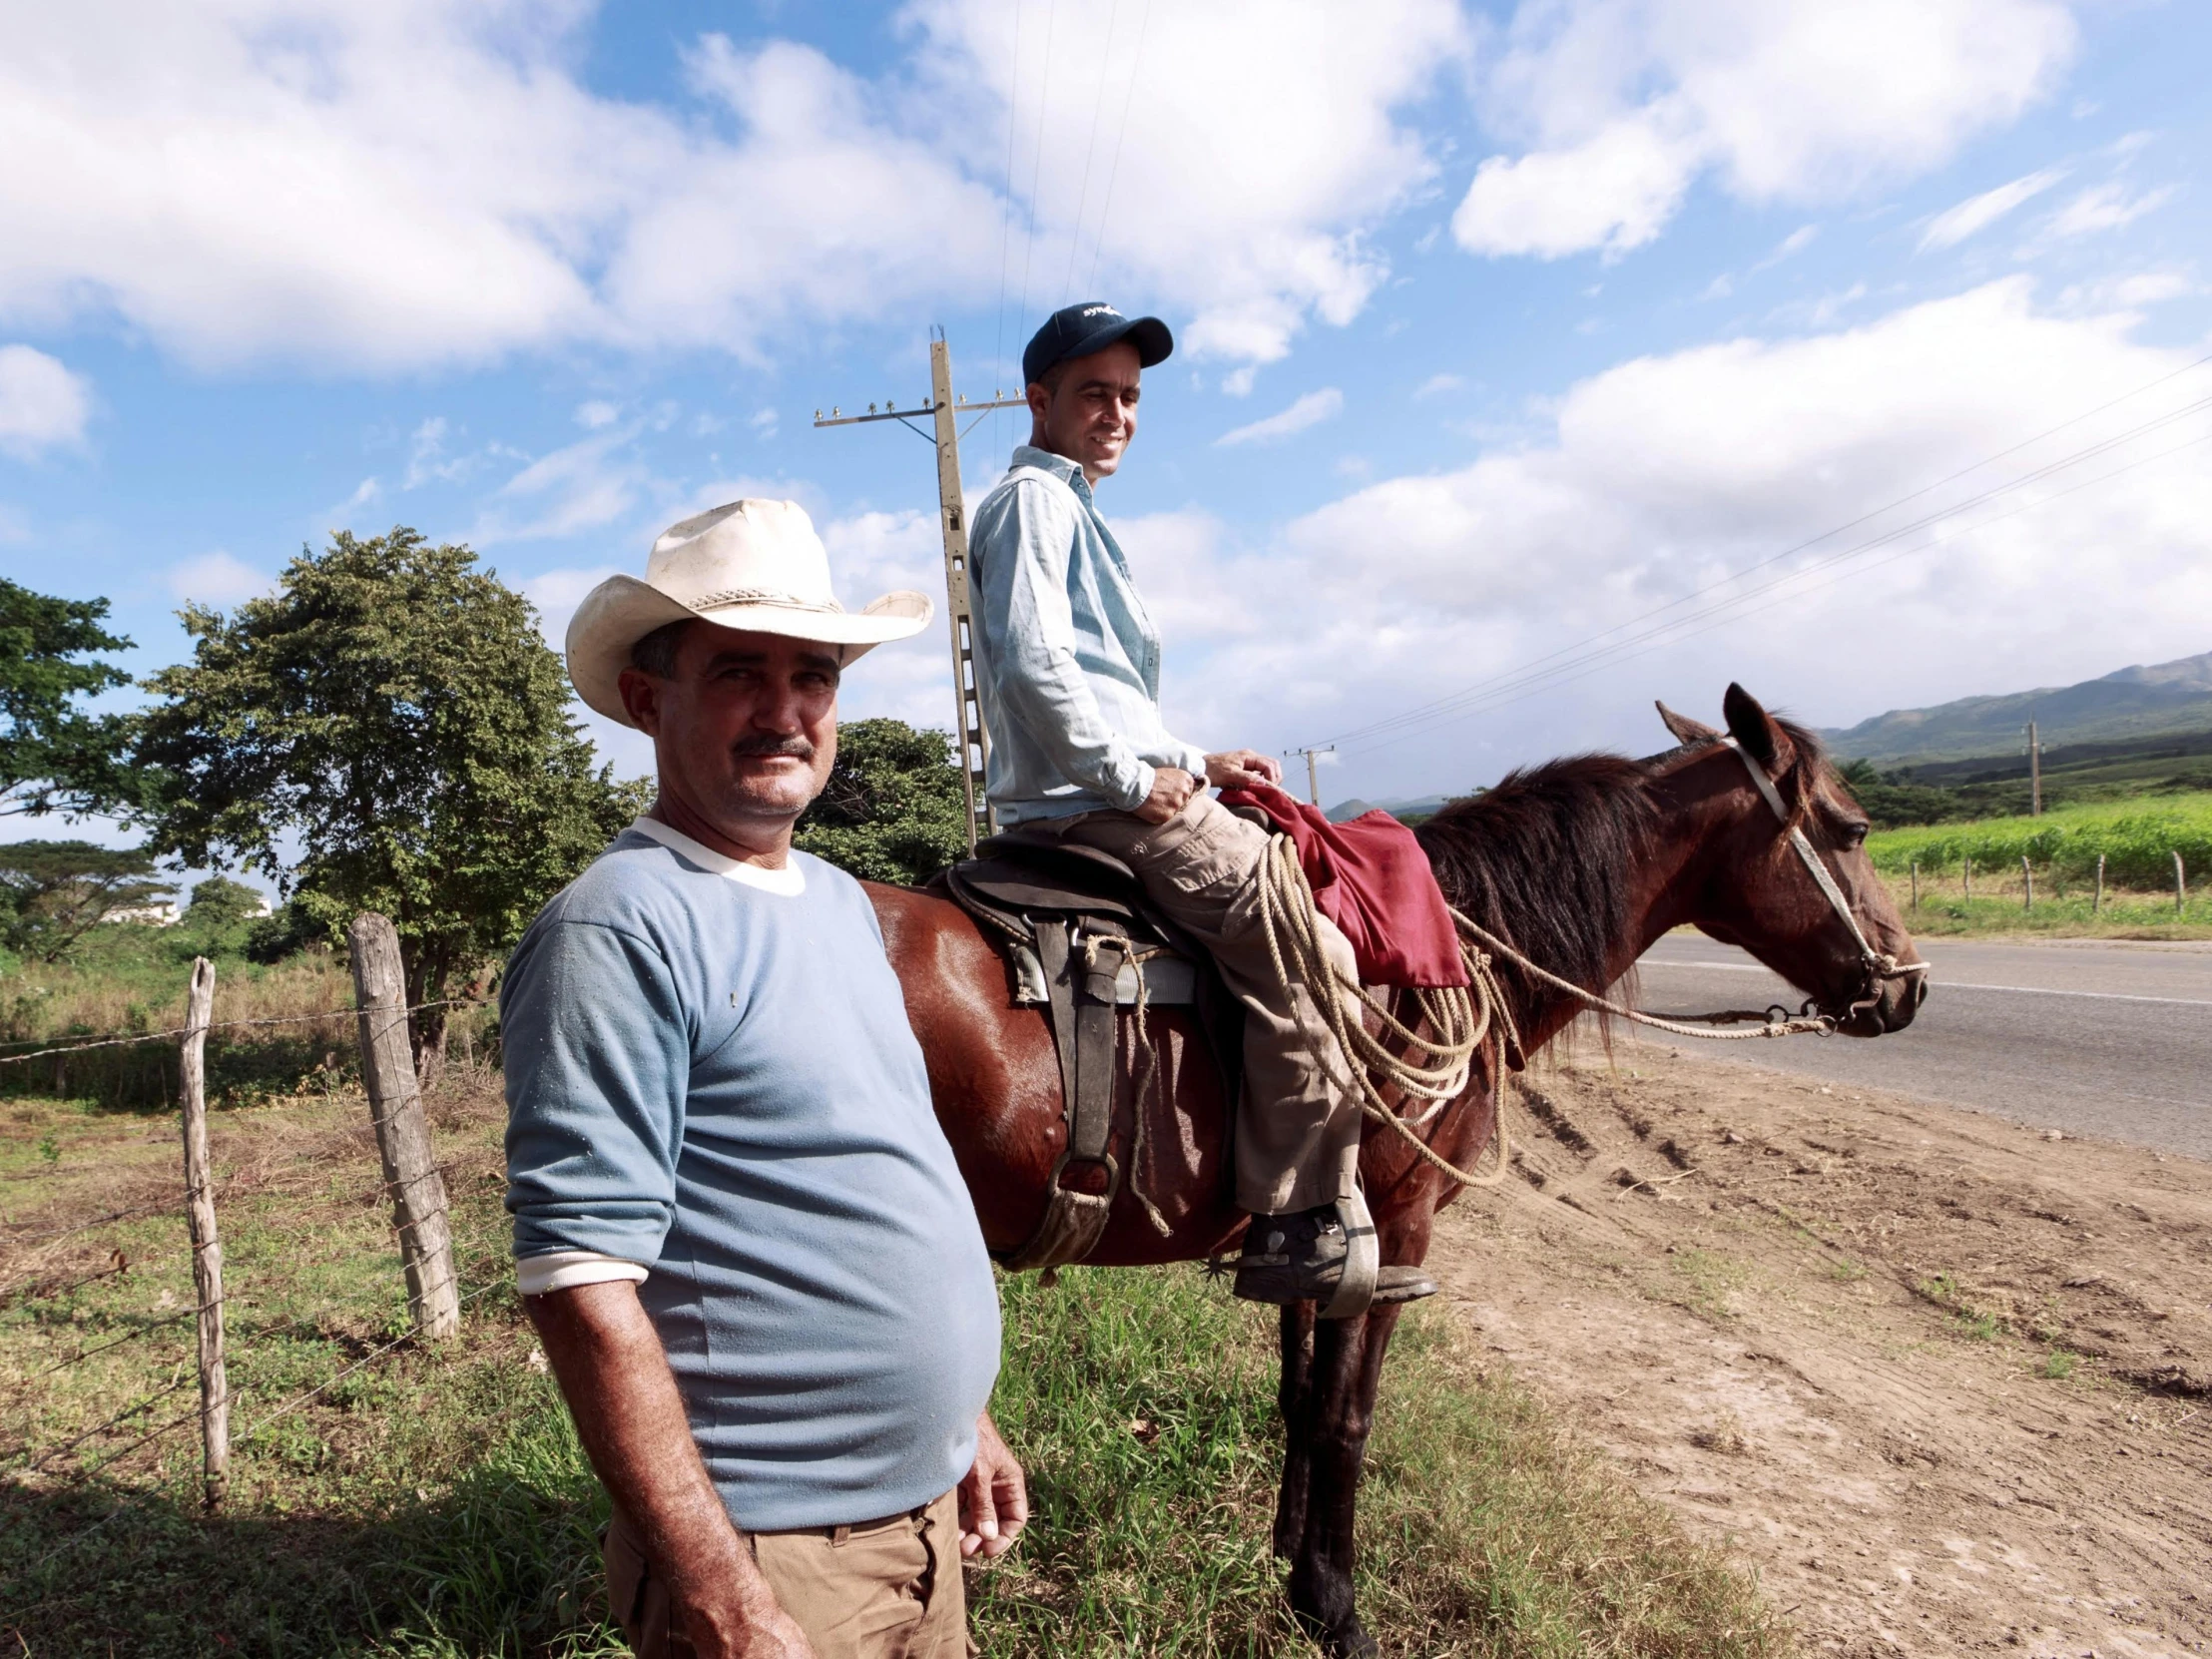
(1581,865)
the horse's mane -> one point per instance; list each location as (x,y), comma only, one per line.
(1543,860)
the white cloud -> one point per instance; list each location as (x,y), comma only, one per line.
(1437,383)
(216,579)
(422,183)
(1621,105)
(1797,242)
(595,413)
(1260,146)
(1978,213)
(43,403)
(2105,207)
(1665,473)
(583,486)
(1310,410)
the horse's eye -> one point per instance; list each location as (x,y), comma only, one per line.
(1855,834)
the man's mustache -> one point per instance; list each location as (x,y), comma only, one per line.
(765,745)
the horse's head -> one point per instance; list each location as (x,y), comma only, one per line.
(1788,878)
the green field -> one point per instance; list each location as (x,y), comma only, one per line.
(2137,838)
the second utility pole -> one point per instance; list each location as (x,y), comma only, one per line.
(1313,768)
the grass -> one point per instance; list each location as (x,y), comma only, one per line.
(435,1505)
(130,977)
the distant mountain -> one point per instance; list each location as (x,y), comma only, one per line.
(2134,703)
(1345,811)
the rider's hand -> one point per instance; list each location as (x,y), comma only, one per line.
(1242,769)
(1172,788)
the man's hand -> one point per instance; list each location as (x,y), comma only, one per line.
(769,1634)
(994,1498)
(1242,769)
(1172,788)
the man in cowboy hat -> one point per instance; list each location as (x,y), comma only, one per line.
(1069,666)
(737,1226)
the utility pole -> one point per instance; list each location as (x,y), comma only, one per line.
(946,410)
(1313,768)
(2034,773)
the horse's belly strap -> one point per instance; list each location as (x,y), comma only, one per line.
(1169,981)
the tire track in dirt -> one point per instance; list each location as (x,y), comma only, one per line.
(1944,1382)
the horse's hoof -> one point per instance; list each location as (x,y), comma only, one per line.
(1354,1642)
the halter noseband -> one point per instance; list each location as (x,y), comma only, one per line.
(1877,965)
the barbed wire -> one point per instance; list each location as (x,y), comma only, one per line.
(124,1039)
(244,1438)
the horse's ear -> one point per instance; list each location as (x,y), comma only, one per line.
(1685,729)
(1752,727)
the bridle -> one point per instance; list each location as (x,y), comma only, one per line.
(1876,966)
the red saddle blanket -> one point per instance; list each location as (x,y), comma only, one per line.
(1371,879)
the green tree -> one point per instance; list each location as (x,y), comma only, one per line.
(392,714)
(894,810)
(219,902)
(52,756)
(51,893)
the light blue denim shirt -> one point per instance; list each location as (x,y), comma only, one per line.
(1067,660)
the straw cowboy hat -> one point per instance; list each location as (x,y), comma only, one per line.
(753,565)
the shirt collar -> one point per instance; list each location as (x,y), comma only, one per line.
(1067,471)
(789,882)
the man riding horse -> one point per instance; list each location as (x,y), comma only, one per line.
(1068,663)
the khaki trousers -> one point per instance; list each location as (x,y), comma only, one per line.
(886,1589)
(1298,1136)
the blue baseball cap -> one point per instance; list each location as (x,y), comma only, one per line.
(1092,325)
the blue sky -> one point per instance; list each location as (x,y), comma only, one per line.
(1500,326)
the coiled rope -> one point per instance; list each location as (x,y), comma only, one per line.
(1418,1066)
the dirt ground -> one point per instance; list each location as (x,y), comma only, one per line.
(1944,1382)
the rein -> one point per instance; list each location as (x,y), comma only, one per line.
(1436,1069)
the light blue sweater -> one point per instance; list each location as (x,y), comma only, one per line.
(718,1082)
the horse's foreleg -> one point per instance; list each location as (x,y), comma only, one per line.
(1296,1398)
(1348,1370)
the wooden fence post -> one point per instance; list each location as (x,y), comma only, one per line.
(1916,884)
(1967,877)
(402,1133)
(2096,904)
(2181,887)
(2027,884)
(207,1245)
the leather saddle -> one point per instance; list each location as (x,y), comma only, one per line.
(1081,940)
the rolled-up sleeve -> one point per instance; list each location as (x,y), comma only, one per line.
(598,1064)
(1028,621)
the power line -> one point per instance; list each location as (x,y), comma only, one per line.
(1090,154)
(1482,687)
(1106,211)
(1036,168)
(1006,217)
(1535,671)
(1713,616)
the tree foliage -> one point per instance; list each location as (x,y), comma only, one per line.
(385,732)
(52,756)
(51,893)
(894,809)
(1894,802)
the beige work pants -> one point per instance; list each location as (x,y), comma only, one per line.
(884,1589)
(1297,1138)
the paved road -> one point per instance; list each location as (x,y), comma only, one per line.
(2093,1038)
